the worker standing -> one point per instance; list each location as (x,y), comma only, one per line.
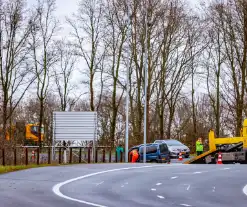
(134,155)
(199,146)
(119,150)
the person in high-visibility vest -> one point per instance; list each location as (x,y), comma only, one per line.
(119,150)
(199,146)
(134,155)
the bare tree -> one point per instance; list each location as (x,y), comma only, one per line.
(233,24)
(116,36)
(177,54)
(44,51)
(63,74)
(15,78)
(214,58)
(87,31)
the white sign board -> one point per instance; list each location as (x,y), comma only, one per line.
(75,126)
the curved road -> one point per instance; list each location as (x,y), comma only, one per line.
(108,185)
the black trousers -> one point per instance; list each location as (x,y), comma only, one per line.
(199,153)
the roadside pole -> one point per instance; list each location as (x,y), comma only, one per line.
(127,86)
(53,139)
(145,84)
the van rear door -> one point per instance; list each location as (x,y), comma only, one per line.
(164,151)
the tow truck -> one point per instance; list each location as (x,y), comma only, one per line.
(232,149)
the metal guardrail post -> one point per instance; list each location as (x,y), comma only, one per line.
(49,155)
(60,155)
(3,155)
(38,156)
(15,157)
(96,155)
(89,156)
(70,155)
(121,157)
(80,155)
(26,152)
(110,156)
(103,155)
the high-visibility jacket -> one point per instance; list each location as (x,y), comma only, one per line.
(199,146)
(135,155)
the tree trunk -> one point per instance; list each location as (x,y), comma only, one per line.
(91,91)
(41,114)
(161,117)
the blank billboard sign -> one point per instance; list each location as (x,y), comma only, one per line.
(75,126)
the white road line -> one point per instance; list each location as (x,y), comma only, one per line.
(197,172)
(213,189)
(174,177)
(162,197)
(245,190)
(183,204)
(56,188)
(122,186)
(158,183)
(188,187)
(153,189)
(226,168)
(100,183)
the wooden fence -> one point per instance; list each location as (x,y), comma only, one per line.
(36,155)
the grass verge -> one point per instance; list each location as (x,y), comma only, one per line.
(12,168)
(6,169)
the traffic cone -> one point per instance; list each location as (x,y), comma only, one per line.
(219,158)
(180,158)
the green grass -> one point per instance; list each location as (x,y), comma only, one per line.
(6,169)
(11,168)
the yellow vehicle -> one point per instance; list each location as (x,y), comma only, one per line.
(233,149)
(27,133)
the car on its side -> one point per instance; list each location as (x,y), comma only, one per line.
(175,147)
(155,152)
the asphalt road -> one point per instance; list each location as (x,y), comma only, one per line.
(152,186)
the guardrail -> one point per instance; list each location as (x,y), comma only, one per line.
(34,155)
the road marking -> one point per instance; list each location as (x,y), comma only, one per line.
(188,187)
(153,189)
(158,183)
(174,177)
(122,186)
(226,168)
(100,183)
(245,190)
(162,197)
(197,172)
(213,189)
(56,188)
(183,204)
